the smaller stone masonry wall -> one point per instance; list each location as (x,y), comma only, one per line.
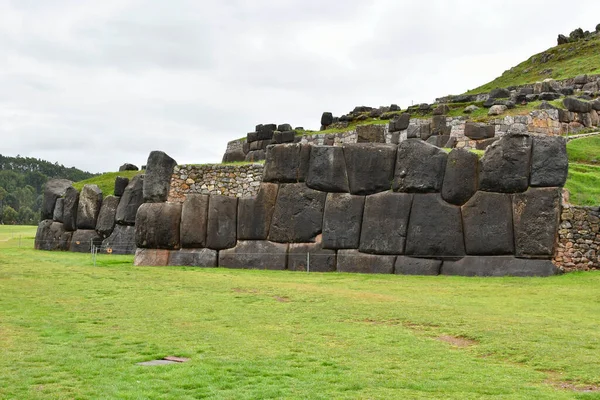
(579,238)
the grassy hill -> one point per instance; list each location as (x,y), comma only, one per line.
(559,62)
(106,182)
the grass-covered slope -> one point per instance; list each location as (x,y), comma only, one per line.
(583,182)
(106,182)
(559,62)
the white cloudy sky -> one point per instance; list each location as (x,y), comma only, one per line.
(96,83)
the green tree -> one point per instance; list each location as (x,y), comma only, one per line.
(26,216)
(9,215)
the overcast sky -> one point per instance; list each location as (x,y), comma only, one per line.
(94,84)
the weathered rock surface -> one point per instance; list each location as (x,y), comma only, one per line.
(53,189)
(353,261)
(342,221)
(487,224)
(435,228)
(255,254)
(255,213)
(326,119)
(419,167)
(460,177)
(120,185)
(130,201)
(157,226)
(90,202)
(318,260)
(120,241)
(497,109)
(370,134)
(194,257)
(549,161)
(287,163)
(498,266)
(477,131)
(385,222)
(194,220)
(58,210)
(159,169)
(106,217)
(399,123)
(151,257)
(417,266)
(575,105)
(70,205)
(505,165)
(298,215)
(370,167)
(536,217)
(128,167)
(222,222)
(83,239)
(327,169)
(51,236)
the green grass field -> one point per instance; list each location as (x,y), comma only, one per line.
(583,182)
(106,182)
(69,330)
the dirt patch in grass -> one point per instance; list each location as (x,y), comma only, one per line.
(554,380)
(457,341)
(244,290)
(282,299)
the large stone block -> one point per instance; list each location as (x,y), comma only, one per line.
(120,185)
(370,167)
(157,226)
(354,261)
(298,215)
(488,225)
(399,123)
(286,163)
(130,201)
(460,177)
(435,228)
(151,257)
(576,105)
(477,131)
(498,266)
(536,217)
(70,205)
(90,202)
(58,210)
(157,182)
(417,266)
(83,239)
(370,134)
(505,165)
(327,169)
(222,222)
(194,257)
(51,236)
(438,125)
(53,189)
(120,241)
(106,217)
(549,161)
(311,256)
(194,220)
(342,221)
(255,213)
(385,222)
(420,167)
(255,254)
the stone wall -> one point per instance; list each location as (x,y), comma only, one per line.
(410,208)
(226,180)
(579,238)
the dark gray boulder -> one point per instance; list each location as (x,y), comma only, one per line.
(157,182)
(370,134)
(441,109)
(420,167)
(580,80)
(536,216)
(194,258)
(460,177)
(284,137)
(435,228)
(106,217)
(298,215)
(326,118)
(424,131)
(498,266)
(252,137)
(342,221)
(478,131)
(254,156)
(265,132)
(120,184)
(130,201)
(549,96)
(52,236)
(399,123)
(157,226)
(595,104)
(235,155)
(120,241)
(311,257)
(255,254)
(353,261)
(255,213)
(483,144)
(505,165)
(90,201)
(83,239)
(128,167)
(58,210)
(286,163)
(194,220)
(70,205)
(222,222)
(438,125)
(53,189)
(385,221)
(327,169)
(284,127)
(549,161)
(487,224)
(417,266)
(575,105)
(499,93)
(370,167)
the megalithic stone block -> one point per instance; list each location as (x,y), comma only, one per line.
(505,165)
(53,189)
(460,178)
(120,185)
(420,167)
(435,228)
(255,254)
(51,235)
(311,256)
(90,202)
(157,182)
(58,210)
(151,257)
(327,169)
(498,266)
(370,167)
(83,239)
(488,225)
(70,205)
(342,221)
(157,226)
(298,215)
(120,241)
(222,222)
(417,266)
(385,221)
(536,216)
(353,261)
(194,221)
(130,201)
(255,213)
(194,258)
(286,163)
(549,161)
(106,217)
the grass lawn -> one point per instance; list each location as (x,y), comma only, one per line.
(72,330)
(106,182)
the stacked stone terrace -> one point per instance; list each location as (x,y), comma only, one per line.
(410,208)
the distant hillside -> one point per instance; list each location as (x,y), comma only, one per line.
(560,62)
